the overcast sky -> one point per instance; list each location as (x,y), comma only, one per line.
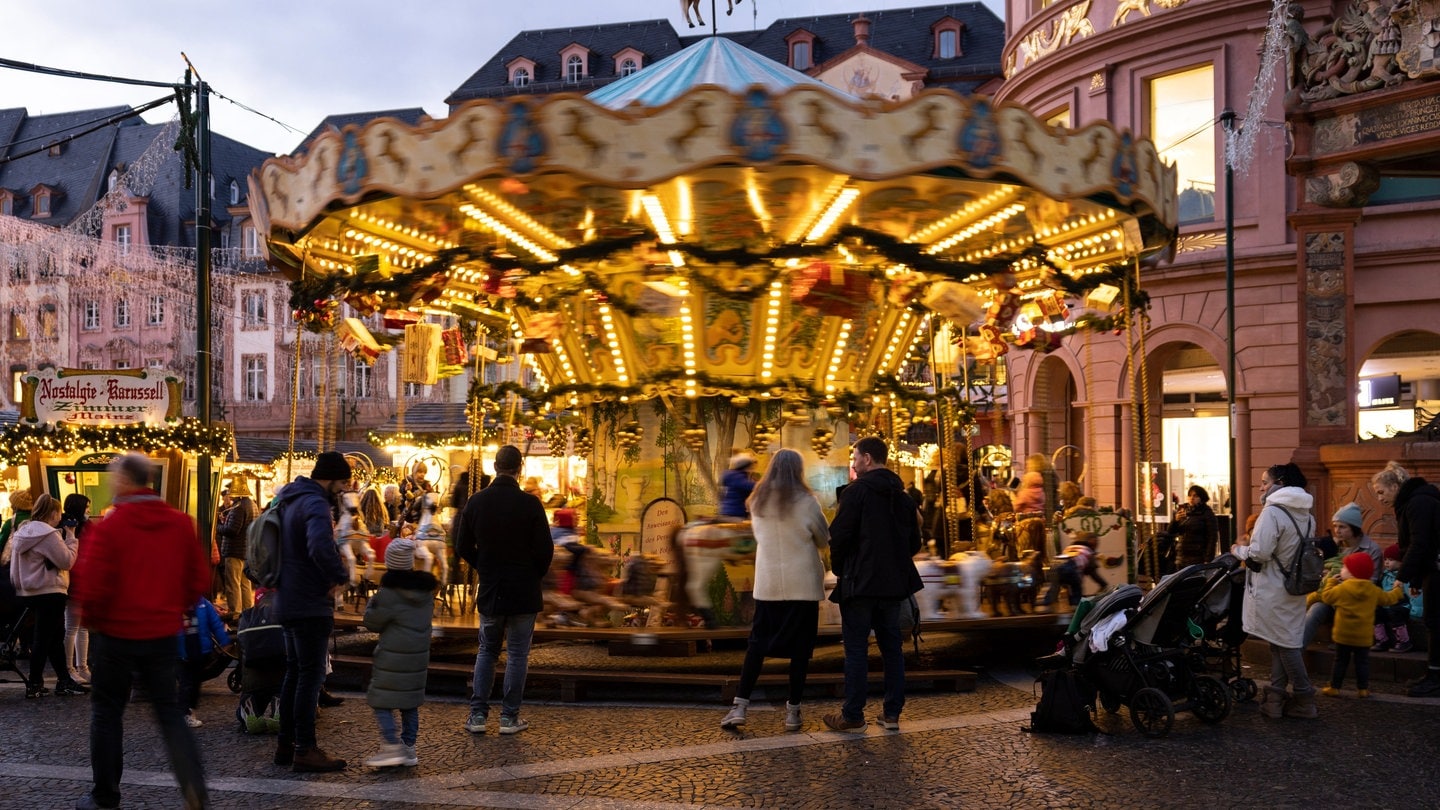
(300,60)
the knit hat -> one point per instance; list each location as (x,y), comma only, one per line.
(21,500)
(1350,515)
(1360,565)
(565,518)
(1392,552)
(740,461)
(400,554)
(508,459)
(330,466)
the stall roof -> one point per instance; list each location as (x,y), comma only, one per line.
(430,417)
(9,417)
(711,61)
(265,449)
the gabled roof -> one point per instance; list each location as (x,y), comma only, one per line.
(656,39)
(77,172)
(338,121)
(712,60)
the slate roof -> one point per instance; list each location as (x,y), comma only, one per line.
(337,122)
(655,39)
(81,170)
(903,32)
(430,417)
(264,449)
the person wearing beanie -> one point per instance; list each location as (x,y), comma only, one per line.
(312,576)
(562,529)
(20,502)
(1392,630)
(1354,599)
(736,484)
(1348,536)
(400,611)
(505,537)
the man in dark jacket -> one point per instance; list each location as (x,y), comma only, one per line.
(875,535)
(139,570)
(239,593)
(311,577)
(504,536)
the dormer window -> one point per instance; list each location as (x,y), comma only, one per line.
(521,71)
(947,38)
(628,67)
(7,204)
(234,192)
(574,69)
(113,180)
(40,201)
(576,61)
(801,45)
(56,149)
(628,62)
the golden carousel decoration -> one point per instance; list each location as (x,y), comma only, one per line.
(756,238)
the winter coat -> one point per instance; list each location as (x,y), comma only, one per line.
(787,551)
(873,539)
(1030,495)
(1417,516)
(505,537)
(234,527)
(40,559)
(1355,601)
(205,621)
(736,486)
(141,568)
(1270,612)
(1195,532)
(309,559)
(400,612)
(9,527)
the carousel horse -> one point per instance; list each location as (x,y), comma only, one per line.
(694,5)
(430,535)
(706,545)
(353,537)
(637,589)
(958,578)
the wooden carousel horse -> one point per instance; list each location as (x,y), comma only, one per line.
(688,6)
(430,535)
(353,537)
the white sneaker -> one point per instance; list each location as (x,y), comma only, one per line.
(410,759)
(192,721)
(390,755)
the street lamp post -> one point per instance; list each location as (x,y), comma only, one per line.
(1227,120)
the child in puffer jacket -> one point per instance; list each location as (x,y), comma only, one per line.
(198,638)
(1354,598)
(1391,630)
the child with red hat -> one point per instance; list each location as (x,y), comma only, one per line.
(1355,599)
(1391,622)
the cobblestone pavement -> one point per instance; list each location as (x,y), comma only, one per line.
(953,751)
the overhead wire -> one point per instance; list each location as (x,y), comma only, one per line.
(111,121)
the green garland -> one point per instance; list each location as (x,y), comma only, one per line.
(189,435)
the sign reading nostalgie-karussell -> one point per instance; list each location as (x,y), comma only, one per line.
(70,396)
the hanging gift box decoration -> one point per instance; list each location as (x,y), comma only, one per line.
(954,300)
(422,353)
(1052,306)
(452,343)
(831,290)
(1102,298)
(365,304)
(1002,310)
(356,339)
(993,337)
(399,318)
(1038,339)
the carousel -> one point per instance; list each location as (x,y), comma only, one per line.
(717,254)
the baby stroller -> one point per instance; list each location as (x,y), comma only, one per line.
(13,645)
(1141,651)
(261,671)
(1219,650)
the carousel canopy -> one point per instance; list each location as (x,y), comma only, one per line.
(788,244)
(711,61)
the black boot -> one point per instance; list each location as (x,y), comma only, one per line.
(708,614)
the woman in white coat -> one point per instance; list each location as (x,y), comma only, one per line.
(790,532)
(1270,612)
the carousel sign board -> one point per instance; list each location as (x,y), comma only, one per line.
(109,398)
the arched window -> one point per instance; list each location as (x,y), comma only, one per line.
(520,78)
(234,192)
(574,69)
(628,66)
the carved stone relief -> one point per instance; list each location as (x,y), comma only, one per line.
(1323,345)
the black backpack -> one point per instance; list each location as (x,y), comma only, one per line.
(1307,567)
(1064,705)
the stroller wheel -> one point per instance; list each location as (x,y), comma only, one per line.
(1243,690)
(1151,712)
(233,680)
(1210,699)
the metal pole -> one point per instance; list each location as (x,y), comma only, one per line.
(205,508)
(1227,120)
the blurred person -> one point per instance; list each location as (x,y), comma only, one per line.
(143,566)
(203,632)
(736,484)
(1417,516)
(233,532)
(76,517)
(790,536)
(41,557)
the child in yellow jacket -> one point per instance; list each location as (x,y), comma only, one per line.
(1354,598)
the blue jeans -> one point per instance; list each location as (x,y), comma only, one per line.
(515,633)
(859,616)
(305,643)
(115,663)
(1316,617)
(409,725)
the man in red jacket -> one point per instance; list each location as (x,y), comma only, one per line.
(140,569)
